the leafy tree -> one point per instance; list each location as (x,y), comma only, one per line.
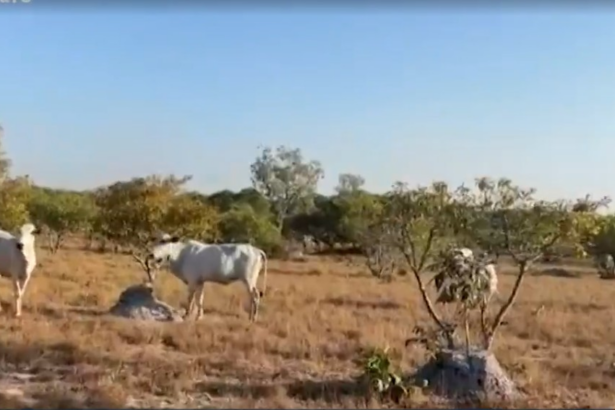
(502,217)
(132,212)
(61,213)
(191,218)
(358,211)
(223,200)
(255,199)
(598,240)
(243,224)
(286,180)
(421,226)
(14,196)
(322,223)
(376,243)
(349,183)
(363,224)
(5,162)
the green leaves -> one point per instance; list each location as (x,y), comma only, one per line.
(420,220)
(378,372)
(132,212)
(14,196)
(189,217)
(60,213)
(503,218)
(243,224)
(286,180)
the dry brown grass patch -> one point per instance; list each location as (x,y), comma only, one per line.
(316,318)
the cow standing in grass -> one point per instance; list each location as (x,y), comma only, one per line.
(195,263)
(18,260)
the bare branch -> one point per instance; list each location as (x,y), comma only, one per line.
(483,324)
(504,309)
(507,244)
(144,263)
(408,239)
(425,254)
(430,307)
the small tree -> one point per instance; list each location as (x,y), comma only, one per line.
(5,162)
(188,217)
(132,212)
(358,210)
(349,183)
(364,224)
(61,213)
(377,247)
(14,193)
(598,240)
(322,223)
(243,224)
(495,216)
(503,217)
(14,197)
(420,220)
(286,180)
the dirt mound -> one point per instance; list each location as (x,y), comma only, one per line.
(474,377)
(138,302)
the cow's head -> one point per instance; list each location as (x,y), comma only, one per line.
(25,237)
(164,249)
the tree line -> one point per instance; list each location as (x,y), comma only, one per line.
(283,206)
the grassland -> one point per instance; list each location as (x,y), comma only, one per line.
(316,317)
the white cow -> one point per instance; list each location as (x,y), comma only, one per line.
(18,260)
(465,253)
(488,270)
(195,263)
(460,257)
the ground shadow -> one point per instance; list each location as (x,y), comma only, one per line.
(311,272)
(362,304)
(219,313)
(557,273)
(62,311)
(328,390)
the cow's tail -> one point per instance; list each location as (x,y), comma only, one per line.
(264,256)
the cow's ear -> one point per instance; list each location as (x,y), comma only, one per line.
(174,239)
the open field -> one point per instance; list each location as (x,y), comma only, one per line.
(316,317)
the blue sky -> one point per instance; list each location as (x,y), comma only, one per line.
(413,95)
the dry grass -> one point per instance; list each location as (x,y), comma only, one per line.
(316,317)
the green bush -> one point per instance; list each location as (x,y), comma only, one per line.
(242,224)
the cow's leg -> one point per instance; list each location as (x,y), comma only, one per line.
(199,305)
(254,300)
(191,293)
(24,284)
(17,294)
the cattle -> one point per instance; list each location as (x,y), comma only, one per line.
(18,260)
(458,264)
(196,263)
(605,265)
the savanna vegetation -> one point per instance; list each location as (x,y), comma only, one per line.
(351,313)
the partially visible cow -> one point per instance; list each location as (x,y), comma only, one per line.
(605,265)
(196,263)
(456,268)
(18,260)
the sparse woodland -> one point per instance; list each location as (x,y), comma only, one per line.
(404,233)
